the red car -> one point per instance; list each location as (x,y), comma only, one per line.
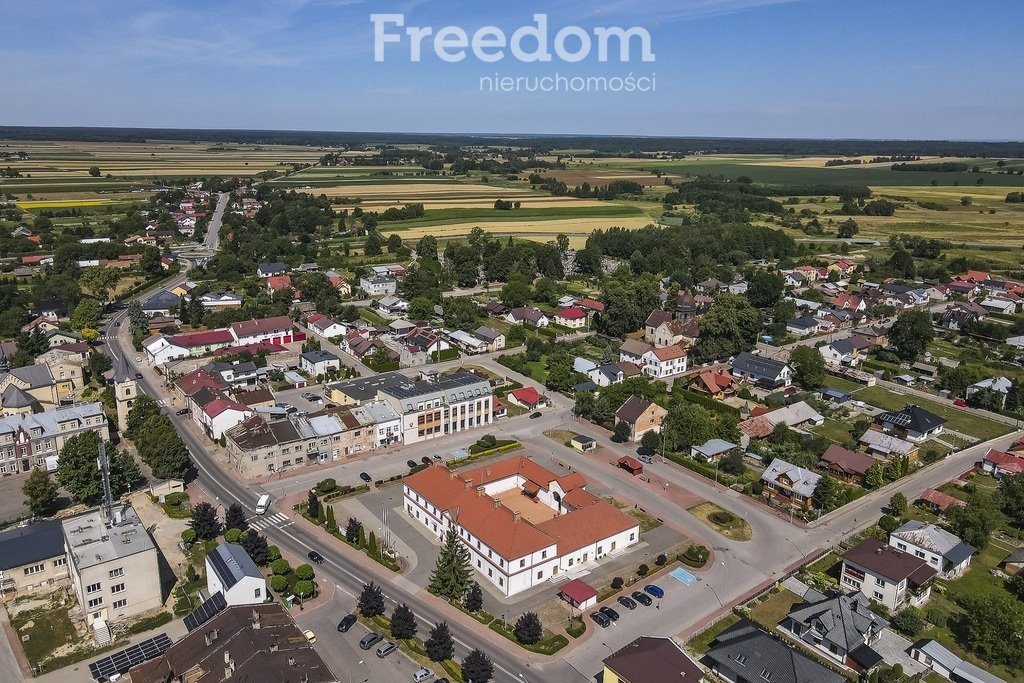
(960,403)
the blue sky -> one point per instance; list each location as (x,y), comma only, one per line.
(756,68)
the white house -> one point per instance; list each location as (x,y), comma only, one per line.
(469,343)
(664,362)
(495,339)
(162,349)
(527,316)
(315,363)
(522,524)
(887,575)
(220,415)
(942,550)
(378,285)
(232,573)
(326,328)
(573,318)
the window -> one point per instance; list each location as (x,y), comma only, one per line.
(95,602)
(522,563)
(35,569)
(60,562)
(766,674)
(92,588)
(258,593)
(901,546)
(540,574)
(543,554)
(879,596)
(119,588)
(119,604)
(880,582)
(741,659)
(115,573)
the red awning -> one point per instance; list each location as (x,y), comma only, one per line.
(578,591)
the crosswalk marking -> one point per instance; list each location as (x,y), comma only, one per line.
(275,520)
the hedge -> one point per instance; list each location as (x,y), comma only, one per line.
(446,354)
(547,646)
(702,469)
(708,402)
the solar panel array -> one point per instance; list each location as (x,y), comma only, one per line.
(121,661)
(220,565)
(205,611)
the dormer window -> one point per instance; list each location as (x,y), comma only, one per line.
(741,659)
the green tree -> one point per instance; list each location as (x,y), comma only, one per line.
(765,288)
(305,572)
(304,589)
(40,492)
(76,469)
(827,493)
(729,327)
(686,425)
(977,520)
(650,441)
(1016,585)
(474,601)
(911,333)
(278,584)
(516,292)
(373,245)
(421,308)
(908,621)
(142,409)
(403,623)
(875,476)
(313,504)
(256,546)
(477,667)
(234,518)
(440,645)
(352,530)
(205,522)
(732,463)
(94,171)
(281,567)
(452,571)
(162,449)
(528,629)
(371,546)
(1011,495)
(371,601)
(902,264)
(99,281)
(989,626)
(898,504)
(621,432)
(808,366)
(87,314)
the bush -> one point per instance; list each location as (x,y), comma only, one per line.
(280,567)
(660,560)
(617,583)
(722,518)
(937,617)
(278,583)
(326,485)
(304,589)
(175,499)
(188,536)
(757,487)
(908,622)
(695,556)
(274,553)
(304,572)
(643,570)
(888,523)
(232,535)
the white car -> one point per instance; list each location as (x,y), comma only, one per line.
(422,674)
(858,404)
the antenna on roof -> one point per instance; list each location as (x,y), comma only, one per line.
(104,466)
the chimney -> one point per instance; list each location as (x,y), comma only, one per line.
(497,503)
(488,472)
(227,657)
(274,646)
(452,474)
(211,637)
(291,661)
(515,516)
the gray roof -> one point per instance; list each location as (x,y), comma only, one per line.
(319,356)
(758,366)
(92,540)
(807,323)
(841,619)
(749,651)
(963,671)
(366,388)
(271,268)
(160,301)
(935,539)
(232,564)
(714,447)
(50,420)
(912,417)
(804,481)
(487,333)
(15,397)
(30,544)
(885,443)
(34,376)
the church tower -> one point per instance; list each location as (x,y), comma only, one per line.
(125,392)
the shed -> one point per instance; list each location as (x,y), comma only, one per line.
(584,443)
(579,594)
(631,465)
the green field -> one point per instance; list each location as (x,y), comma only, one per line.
(433,217)
(956,419)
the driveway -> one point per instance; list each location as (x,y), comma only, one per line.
(893,648)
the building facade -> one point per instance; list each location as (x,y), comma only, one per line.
(35,440)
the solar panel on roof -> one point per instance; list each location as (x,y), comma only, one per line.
(205,611)
(122,660)
(222,569)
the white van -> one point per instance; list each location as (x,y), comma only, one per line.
(263,504)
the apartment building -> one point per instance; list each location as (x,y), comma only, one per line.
(113,563)
(30,440)
(256,447)
(521,523)
(440,405)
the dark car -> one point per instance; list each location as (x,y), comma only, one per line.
(345,624)
(182,411)
(365,477)
(425,460)
(627,602)
(117,324)
(601,620)
(643,598)
(315,557)
(411,463)
(534,416)
(369,640)
(654,590)
(138,375)
(609,612)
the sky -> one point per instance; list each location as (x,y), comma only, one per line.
(919,69)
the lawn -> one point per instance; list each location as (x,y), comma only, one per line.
(834,430)
(701,643)
(956,419)
(49,629)
(841,383)
(773,609)
(735,528)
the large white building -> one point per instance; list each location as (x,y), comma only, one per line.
(522,524)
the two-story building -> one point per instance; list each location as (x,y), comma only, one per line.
(887,575)
(32,556)
(667,361)
(841,627)
(767,373)
(32,440)
(946,553)
(378,285)
(789,483)
(641,416)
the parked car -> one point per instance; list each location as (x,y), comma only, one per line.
(643,598)
(311,397)
(365,477)
(436,457)
(412,463)
(183,411)
(315,557)
(601,620)
(627,602)
(386,649)
(422,674)
(609,612)
(534,416)
(310,636)
(654,590)
(348,622)
(138,375)
(370,639)
(425,460)
(858,404)
(960,403)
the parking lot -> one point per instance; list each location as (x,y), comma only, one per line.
(341,650)
(295,397)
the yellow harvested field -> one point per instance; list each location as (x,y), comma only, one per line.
(418,191)
(541,230)
(66,203)
(529,201)
(951,193)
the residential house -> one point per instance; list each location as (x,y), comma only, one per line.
(849,352)
(265,270)
(232,573)
(803,326)
(665,362)
(840,627)
(114,566)
(1000,464)
(32,556)
(676,332)
(65,363)
(220,415)
(277,330)
(712,450)
(255,398)
(886,446)
(573,318)
(383,419)
(790,484)
(633,350)
(187,385)
(34,383)
(763,372)
(525,315)
(606,374)
(326,328)
(237,374)
(651,659)
(392,306)
(641,416)
(795,415)
(913,423)
(528,397)
(316,363)
(161,303)
(496,308)
(717,384)
(938,502)
(1013,564)
(1000,304)
(495,339)
(946,553)
(794,279)
(846,465)
(999,386)
(221,300)
(743,653)
(590,305)
(948,665)
(521,524)
(887,575)
(467,342)
(378,285)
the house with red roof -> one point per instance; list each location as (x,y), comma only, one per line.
(521,523)
(277,330)
(277,283)
(527,397)
(1000,463)
(715,383)
(187,385)
(938,501)
(222,414)
(975,276)
(573,318)
(591,305)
